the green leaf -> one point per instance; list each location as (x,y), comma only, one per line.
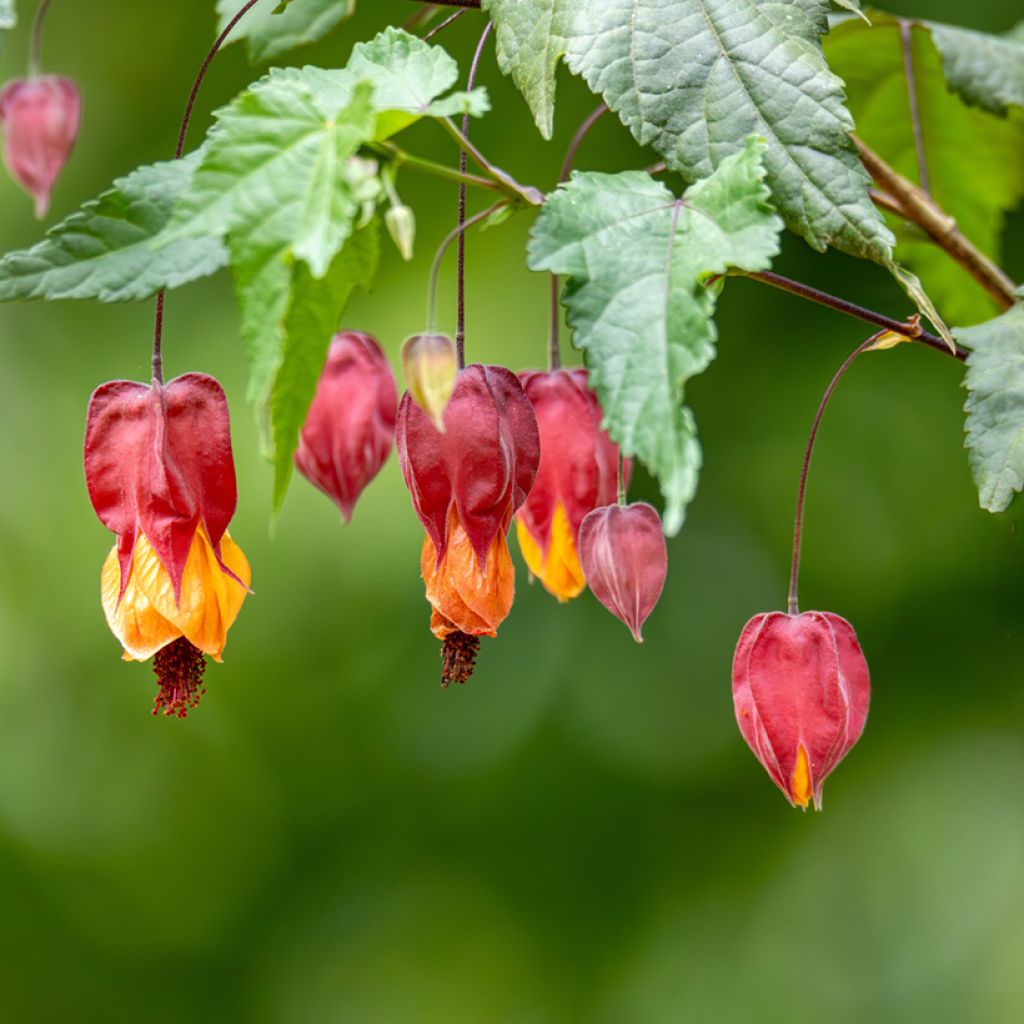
(274,28)
(995,406)
(289,318)
(986,70)
(278,157)
(694,79)
(103,251)
(975,160)
(637,259)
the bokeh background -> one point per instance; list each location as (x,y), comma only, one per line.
(579,834)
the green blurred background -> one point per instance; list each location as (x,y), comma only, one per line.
(580,834)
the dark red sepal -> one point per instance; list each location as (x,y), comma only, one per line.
(485,461)
(158,459)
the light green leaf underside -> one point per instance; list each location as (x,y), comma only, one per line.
(279,153)
(694,79)
(103,251)
(637,259)
(975,160)
(270,34)
(986,70)
(8,15)
(995,406)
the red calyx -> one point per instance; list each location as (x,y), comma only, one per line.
(40,117)
(350,427)
(484,463)
(625,560)
(579,461)
(800,683)
(158,459)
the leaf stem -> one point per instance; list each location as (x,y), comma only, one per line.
(444,24)
(621,480)
(530,195)
(906,44)
(910,330)
(554,358)
(798,522)
(460,273)
(920,209)
(35,64)
(179,149)
(418,163)
(468,4)
(435,267)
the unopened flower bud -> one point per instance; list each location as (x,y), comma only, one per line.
(430,365)
(401,225)
(625,560)
(801,690)
(40,118)
(350,427)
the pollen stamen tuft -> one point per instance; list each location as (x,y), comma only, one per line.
(179,669)
(458,657)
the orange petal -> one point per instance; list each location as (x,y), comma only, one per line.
(149,617)
(465,599)
(800,784)
(559,570)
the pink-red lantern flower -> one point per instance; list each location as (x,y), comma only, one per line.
(160,474)
(466,484)
(350,427)
(625,561)
(578,473)
(801,691)
(40,118)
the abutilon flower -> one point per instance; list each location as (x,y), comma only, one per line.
(160,474)
(801,691)
(625,560)
(466,484)
(350,427)
(40,117)
(578,473)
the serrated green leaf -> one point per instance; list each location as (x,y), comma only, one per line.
(636,258)
(103,251)
(694,79)
(984,69)
(278,157)
(312,319)
(975,160)
(273,28)
(851,5)
(995,406)
(8,15)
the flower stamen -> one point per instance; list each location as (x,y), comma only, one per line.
(179,669)
(458,657)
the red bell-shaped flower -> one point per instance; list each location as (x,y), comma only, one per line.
(625,560)
(160,474)
(801,691)
(40,117)
(350,427)
(466,484)
(578,473)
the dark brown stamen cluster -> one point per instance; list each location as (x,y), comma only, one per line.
(458,657)
(179,669)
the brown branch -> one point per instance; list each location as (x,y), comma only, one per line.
(927,215)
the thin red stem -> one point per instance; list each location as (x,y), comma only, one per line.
(906,44)
(179,149)
(798,522)
(460,319)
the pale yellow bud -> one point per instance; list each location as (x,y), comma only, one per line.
(401,225)
(430,365)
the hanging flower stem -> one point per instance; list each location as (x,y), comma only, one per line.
(179,149)
(35,64)
(798,522)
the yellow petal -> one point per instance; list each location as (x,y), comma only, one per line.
(800,784)
(560,570)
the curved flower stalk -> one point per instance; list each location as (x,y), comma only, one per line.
(466,484)
(350,427)
(801,692)
(40,118)
(160,474)
(578,473)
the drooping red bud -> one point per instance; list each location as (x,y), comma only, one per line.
(625,560)
(801,691)
(484,463)
(158,462)
(578,473)
(350,427)
(40,117)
